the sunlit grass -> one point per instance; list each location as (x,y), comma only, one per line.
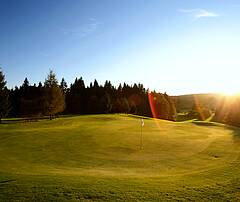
(98,158)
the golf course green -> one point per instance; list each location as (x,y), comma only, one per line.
(99,158)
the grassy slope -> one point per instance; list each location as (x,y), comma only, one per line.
(98,158)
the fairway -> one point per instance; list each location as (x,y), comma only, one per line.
(98,158)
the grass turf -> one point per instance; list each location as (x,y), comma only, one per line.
(97,158)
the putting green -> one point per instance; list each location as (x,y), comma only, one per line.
(98,157)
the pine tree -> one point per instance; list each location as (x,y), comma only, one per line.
(95,84)
(25,83)
(51,80)
(39,85)
(76,102)
(63,85)
(54,101)
(4,104)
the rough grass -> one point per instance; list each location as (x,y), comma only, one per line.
(97,158)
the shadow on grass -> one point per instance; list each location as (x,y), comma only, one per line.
(22,120)
(234,129)
(235,132)
(6,181)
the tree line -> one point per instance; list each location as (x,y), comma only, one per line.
(51,98)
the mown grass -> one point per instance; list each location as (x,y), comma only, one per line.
(98,158)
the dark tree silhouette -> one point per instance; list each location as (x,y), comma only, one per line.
(63,85)
(51,98)
(4,104)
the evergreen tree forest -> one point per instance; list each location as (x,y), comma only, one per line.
(52,98)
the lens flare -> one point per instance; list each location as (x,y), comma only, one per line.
(151,100)
(198,108)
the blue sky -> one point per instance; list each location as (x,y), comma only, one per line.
(180,47)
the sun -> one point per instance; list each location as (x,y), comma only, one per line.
(228,89)
(230,93)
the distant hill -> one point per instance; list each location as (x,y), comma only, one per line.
(185,103)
